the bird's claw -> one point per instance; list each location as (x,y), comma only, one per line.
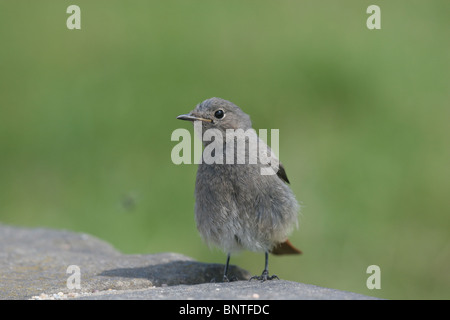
(225,279)
(264,277)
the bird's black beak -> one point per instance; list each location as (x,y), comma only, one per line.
(189,117)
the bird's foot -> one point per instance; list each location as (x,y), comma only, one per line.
(225,279)
(264,276)
(231,279)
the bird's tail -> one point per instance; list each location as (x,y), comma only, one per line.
(285,248)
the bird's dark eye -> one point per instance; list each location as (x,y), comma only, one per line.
(219,114)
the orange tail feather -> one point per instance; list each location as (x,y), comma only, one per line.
(285,248)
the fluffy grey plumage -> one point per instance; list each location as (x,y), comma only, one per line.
(236,206)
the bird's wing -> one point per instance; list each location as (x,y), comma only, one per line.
(282,173)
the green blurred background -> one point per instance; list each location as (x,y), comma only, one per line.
(86,118)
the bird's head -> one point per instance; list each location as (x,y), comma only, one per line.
(216,113)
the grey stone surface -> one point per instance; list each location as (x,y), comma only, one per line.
(239,290)
(34,262)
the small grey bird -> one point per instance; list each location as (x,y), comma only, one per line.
(237,207)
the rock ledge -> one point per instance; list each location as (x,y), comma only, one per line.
(34,265)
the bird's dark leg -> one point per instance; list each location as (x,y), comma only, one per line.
(265,274)
(225,271)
